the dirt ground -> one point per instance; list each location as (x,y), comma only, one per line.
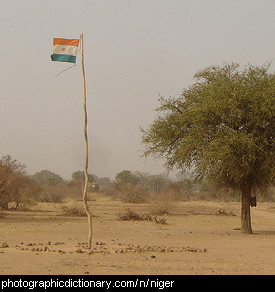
(199,238)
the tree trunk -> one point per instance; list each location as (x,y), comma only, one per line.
(245,214)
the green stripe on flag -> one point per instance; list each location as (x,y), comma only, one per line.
(63,58)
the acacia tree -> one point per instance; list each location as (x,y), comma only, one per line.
(222,127)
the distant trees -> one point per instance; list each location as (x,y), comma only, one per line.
(128,189)
(104,183)
(18,190)
(79,176)
(78,180)
(126,177)
(52,186)
(47,177)
(136,187)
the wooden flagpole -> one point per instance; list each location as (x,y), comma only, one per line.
(86,207)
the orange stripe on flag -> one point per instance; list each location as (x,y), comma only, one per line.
(68,42)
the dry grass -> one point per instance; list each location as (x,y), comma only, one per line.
(129,215)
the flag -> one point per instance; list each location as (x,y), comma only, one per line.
(64,50)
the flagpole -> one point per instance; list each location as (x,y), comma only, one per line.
(86,207)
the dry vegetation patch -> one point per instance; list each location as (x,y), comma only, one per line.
(130,215)
(75,209)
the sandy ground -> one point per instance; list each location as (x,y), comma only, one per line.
(200,238)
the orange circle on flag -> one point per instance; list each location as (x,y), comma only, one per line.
(63,49)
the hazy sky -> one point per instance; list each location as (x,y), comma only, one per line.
(135,50)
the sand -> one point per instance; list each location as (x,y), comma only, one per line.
(199,238)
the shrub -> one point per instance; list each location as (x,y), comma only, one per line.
(129,193)
(16,188)
(161,203)
(53,193)
(74,209)
(129,214)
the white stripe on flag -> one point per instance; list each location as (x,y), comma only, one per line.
(65,50)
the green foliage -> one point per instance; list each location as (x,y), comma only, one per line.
(104,183)
(79,176)
(155,183)
(126,177)
(52,186)
(47,177)
(127,188)
(222,127)
(137,187)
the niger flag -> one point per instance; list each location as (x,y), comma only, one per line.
(64,50)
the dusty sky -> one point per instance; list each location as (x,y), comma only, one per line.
(134,52)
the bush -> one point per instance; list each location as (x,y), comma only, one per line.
(129,193)
(53,193)
(129,214)
(181,189)
(17,189)
(75,208)
(161,203)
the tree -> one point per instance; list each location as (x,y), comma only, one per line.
(79,176)
(78,182)
(154,183)
(52,186)
(15,186)
(47,177)
(222,128)
(126,176)
(104,183)
(128,188)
